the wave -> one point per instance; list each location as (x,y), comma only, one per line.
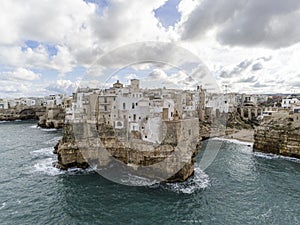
(33,126)
(53,140)
(3,205)
(43,152)
(274,156)
(46,167)
(4,121)
(48,129)
(199,181)
(134,180)
(235,141)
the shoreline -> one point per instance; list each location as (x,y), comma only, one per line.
(244,135)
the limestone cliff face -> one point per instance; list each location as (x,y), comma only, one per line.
(137,153)
(68,152)
(279,136)
(54,117)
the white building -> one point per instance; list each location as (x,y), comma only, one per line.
(287,103)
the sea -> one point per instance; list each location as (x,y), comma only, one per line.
(238,187)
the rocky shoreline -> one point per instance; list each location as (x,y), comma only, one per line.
(54,117)
(21,113)
(279,136)
(70,155)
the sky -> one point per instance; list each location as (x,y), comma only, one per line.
(48,47)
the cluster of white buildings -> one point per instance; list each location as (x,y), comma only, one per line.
(134,109)
(51,101)
(290,102)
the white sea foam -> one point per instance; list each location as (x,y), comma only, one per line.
(134,180)
(3,121)
(45,166)
(199,181)
(48,130)
(3,205)
(33,126)
(43,151)
(273,156)
(53,140)
(233,141)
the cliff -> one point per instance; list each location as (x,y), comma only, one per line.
(279,136)
(21,113)
(81,152)
(54,117)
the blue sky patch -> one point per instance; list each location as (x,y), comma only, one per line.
(102,4)
(51,49)
(168,14)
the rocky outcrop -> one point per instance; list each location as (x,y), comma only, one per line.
(68,152)
(54,117)
(279,136)
(21,113)
(77,152)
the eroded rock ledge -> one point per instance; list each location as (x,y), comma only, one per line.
(279,136)
(70,155)
(53,117)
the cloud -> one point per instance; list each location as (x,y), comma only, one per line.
(257,66)
(20,74)
(250,79)
(237,70)
(260,85)
(266,23)
(63,87)
(235,38)
(158,75)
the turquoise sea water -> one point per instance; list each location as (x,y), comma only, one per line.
(239,187)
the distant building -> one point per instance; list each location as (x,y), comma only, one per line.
(289,102)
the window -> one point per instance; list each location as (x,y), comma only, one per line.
(140,118)
(146,136)
(190,132)
(132,105)
(136,104)
(124,105)
(105,108)
(105,99)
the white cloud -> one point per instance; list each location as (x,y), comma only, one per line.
(238,40)
(63,86)
(20,74)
